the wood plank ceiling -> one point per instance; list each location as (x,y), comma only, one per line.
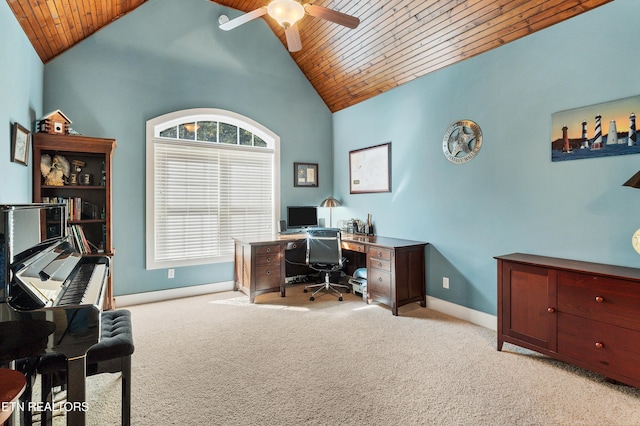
(396,42)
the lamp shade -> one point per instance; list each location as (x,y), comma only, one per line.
(330,202)
(634,182)
(286,12)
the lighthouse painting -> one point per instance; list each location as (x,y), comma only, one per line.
(578,133)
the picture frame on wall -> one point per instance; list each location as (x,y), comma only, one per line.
(370,169)
(20,143)
(305,174)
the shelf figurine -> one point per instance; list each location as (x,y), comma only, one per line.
(54,170)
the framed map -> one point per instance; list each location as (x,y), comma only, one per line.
(370,169)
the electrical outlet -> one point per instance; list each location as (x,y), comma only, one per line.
(171,273)
(445,282)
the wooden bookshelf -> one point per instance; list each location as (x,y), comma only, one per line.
(89,192)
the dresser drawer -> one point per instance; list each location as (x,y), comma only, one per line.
(267,276)
(602,347)
(600,298)
(379,253)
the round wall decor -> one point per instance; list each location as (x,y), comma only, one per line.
(462,141)
(635,241)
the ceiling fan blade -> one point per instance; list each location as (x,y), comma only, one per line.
(242,19)
(332,15)
(293,38)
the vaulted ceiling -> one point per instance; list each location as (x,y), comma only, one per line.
(396,42)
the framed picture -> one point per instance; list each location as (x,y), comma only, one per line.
(20,144)
(305,174)
(370,169)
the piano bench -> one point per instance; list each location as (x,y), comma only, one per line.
(111,355)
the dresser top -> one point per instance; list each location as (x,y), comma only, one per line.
(623,272)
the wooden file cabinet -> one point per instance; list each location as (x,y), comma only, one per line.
(258,268)
(583,313)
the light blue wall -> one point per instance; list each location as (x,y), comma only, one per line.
(510,197)
(20,101)
(170,55)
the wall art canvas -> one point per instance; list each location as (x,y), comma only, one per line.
(600,130)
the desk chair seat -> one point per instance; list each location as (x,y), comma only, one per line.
(111,355)
(324,254)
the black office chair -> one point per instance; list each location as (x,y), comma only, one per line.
(324,254)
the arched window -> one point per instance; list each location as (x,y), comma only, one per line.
(211,175)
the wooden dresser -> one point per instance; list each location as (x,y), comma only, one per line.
(583,313)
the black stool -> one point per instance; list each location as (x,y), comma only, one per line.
(111,355)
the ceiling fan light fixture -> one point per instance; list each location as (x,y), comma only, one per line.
(286,12)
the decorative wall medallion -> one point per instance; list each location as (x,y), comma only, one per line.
(635,241)
(462,141)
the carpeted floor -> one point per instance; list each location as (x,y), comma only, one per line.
(218,360)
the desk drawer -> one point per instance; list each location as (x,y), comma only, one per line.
(599,298)
(379,284)
(379,253)
(268,249)
(380,264)
(267,259)
(348,245)
(297,245)
(267,276)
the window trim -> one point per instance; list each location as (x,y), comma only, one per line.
(155,126)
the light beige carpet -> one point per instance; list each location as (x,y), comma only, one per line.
(218,360)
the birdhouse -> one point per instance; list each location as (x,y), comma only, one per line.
(55,123)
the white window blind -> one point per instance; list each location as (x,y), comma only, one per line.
(201,194)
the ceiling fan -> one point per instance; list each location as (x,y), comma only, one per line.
(288,13)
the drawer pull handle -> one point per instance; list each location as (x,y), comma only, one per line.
(379,264)
(599,299)
(268,259)
(379,254)
(294,245)
(380,279)
(551,310)
(268,272)
(268,249)
(599,345)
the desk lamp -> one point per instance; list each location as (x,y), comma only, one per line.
(331,203)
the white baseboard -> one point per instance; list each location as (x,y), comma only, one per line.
(174,293)
(476,317)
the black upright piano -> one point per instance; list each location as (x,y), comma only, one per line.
(50,297)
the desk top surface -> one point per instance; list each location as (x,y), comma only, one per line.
(350,238)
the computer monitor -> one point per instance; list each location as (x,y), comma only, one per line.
(302,216)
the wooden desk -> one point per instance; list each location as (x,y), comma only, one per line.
(12,384)
(395,267)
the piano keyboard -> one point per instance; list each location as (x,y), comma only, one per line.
(85,286)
